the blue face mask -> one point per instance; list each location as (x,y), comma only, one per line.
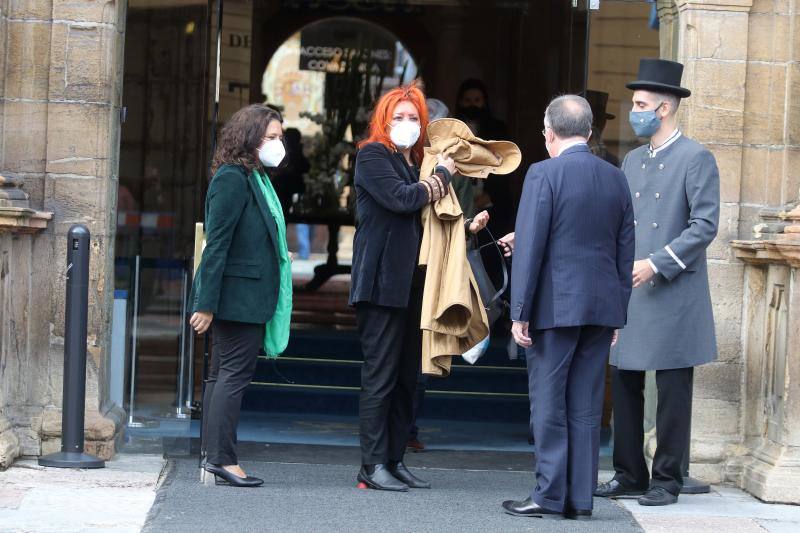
(645,123)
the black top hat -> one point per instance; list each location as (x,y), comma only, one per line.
(598,100)
(660,75)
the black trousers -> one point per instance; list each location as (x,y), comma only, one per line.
(392,344)
(566,371)
(234,356)
(673,423)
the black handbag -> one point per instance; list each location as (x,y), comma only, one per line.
(490,295)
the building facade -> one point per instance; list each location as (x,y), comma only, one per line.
(63,66)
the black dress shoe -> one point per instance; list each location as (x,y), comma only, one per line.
(402,473)
(694,486)
(379,477)
(224,477)
(656,496)
(529,508)
(577,514)
(615,489)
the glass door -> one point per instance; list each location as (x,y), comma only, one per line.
(162,172)
(622,32)
(578,39)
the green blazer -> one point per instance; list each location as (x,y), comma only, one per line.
(238,276)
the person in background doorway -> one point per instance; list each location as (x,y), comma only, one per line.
(289,181)
(599,101)
(463,185)
(494,193)
(573,255)
(675,186)
(243,286)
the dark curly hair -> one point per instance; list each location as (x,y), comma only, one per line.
(242,135)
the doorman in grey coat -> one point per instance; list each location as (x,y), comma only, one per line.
(674,182)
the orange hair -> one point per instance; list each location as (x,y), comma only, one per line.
(382,117)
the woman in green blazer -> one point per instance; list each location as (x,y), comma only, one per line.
(242,289)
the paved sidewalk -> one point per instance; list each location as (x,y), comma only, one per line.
(311,488)
(725,509)
(43,500)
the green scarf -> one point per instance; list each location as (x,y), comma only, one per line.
(276,335)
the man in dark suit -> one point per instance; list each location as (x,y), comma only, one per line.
(569,291)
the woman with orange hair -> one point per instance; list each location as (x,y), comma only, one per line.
(387,284)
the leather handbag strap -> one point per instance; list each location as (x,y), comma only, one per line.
(493,241)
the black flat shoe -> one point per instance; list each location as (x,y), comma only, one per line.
(615,489)
(381,479)
(577,514)
(657,496)
(224,477)
(402,473)
(529,508)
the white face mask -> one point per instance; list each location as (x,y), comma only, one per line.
(271,153)
(405,134)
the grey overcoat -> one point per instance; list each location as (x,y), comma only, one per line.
(676,209)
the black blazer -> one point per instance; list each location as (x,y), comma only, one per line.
(574,244)
(238,276)
(389,199)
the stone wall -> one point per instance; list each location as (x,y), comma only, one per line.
(60,84)
(771,154)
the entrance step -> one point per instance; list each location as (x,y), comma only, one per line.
(451,405)
(321,372)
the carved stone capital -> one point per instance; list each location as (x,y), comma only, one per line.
(784,250)
(23,220)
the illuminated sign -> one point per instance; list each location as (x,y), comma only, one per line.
(329,46)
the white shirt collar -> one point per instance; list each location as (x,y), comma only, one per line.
(569,145)
(666,144)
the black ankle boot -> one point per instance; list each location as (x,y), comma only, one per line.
(399,470)
(378,477)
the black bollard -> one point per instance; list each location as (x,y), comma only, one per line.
(76,317)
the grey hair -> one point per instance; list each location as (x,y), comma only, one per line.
(437,109)
(671,99)
(569,116)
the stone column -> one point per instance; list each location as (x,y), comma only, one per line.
(59,138)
